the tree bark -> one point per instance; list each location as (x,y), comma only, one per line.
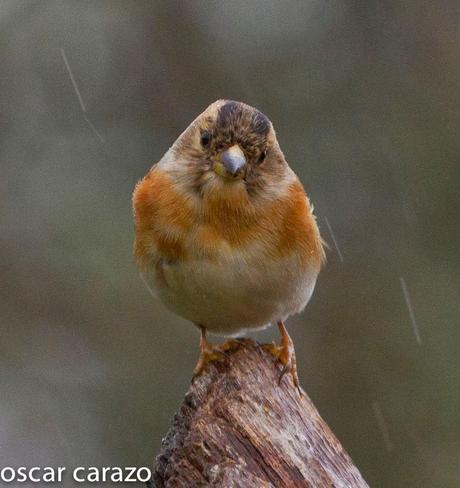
(238,428)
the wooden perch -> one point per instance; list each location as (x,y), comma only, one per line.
(238,428)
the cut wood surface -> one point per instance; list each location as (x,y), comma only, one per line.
(238,428)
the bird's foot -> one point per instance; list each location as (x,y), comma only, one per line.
(208,353)
(207,356)
(285,354)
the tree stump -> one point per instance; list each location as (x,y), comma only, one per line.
(238,428)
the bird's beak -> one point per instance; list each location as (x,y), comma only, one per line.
(231,163)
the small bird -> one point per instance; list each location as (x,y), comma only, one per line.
(225,234)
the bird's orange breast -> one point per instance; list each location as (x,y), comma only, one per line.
(170,225)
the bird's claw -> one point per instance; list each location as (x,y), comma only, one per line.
(208,354)
(285,354)
(205,358)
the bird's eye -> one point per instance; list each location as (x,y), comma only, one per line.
(262,156)
(205,138)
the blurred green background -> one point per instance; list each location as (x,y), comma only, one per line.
(365,100)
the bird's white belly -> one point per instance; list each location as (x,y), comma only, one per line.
(234,294)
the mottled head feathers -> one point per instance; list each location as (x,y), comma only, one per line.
(223,124)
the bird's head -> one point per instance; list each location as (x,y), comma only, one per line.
(230,147)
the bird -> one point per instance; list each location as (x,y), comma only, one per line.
(225,235)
